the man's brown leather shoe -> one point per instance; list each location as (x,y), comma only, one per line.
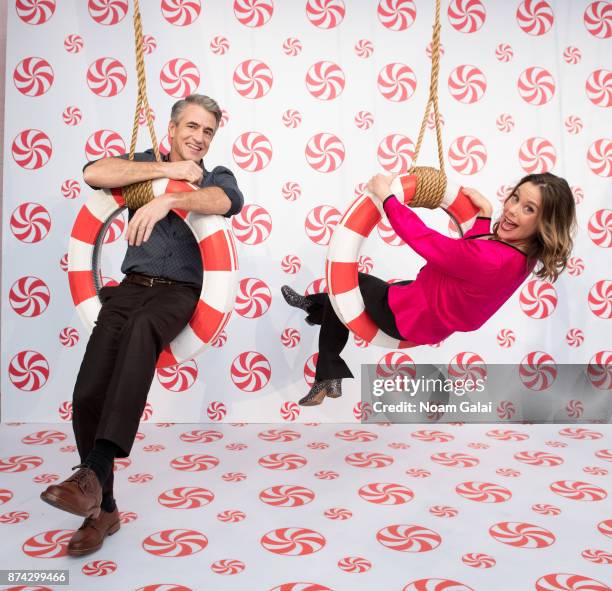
(80,494)
(90,536)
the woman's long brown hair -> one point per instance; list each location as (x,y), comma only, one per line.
(553,242)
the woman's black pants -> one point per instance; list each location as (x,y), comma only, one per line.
(334,335)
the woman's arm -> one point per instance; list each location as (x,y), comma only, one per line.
(455,257)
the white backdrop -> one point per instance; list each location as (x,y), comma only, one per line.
(318,95)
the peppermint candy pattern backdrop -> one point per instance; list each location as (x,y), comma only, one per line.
(317,96)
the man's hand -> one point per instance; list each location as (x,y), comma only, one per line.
(380,185)
(184,170)
(480,201)
(143,221)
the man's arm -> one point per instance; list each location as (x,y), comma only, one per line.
(108,173)
(222,198)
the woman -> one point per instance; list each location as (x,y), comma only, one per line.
(464,282)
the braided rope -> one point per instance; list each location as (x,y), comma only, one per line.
(137,194)
(432,182)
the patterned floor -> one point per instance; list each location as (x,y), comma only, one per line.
(318,507)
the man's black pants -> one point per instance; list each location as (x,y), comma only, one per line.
(334,335)
(133,327)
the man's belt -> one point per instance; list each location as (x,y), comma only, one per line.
(147,281)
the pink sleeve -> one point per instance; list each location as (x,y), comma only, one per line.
(481,226)
(459,258)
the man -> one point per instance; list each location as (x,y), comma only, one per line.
(142,315)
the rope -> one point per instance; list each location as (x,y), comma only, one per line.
(137,194)
(432,182)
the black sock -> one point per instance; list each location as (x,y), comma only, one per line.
(108,502)
(100,458)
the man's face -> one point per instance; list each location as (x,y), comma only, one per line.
(191,136)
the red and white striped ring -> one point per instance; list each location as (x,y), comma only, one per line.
(341,264)
(219,261)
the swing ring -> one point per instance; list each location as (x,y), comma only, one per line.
(219,264)
(341,266)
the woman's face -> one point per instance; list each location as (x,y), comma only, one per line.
(521,214)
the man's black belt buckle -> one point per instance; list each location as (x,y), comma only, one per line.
(147,281)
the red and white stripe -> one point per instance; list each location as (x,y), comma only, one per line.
(341,265)
(219,261)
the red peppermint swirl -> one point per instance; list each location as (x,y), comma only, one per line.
(321,222)
(538,299)
(364,120)
(49,544)
(252,79)
(572,55)
(599,370)
(467,84)
(599,157)
(291,191)
(522,535)
(107,12)
(408,538)
(385,493)
(185,497)
(536,86)
(292,118)
(35,12)
(573,124)
(600,228)
(219,45)
(466,16)
(599,88)
(395,153)
(325,14)
(292,46)
(293,541)
(181,13)
(574,337)
(397,82)
(69,336)
(538,370)
(179,377)
(175,543)
(467,155)
(252,151)
(504,52)
(28,371)
(73,43)
(598,19)
(535,17)
(99,568)
(290,338)
(179,77)
(252,225)
(216,411)
(600,299)
(33,76)
(104,143)
(250,371)
(325,152)
(537,155)
(29,296)
(253,298)
(31,149)
(364,48)
(253,13)
(72,116)
(396,15)
(291,264)
(325,80)
(286,496)
(106,77)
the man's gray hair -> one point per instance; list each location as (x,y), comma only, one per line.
(202,100)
